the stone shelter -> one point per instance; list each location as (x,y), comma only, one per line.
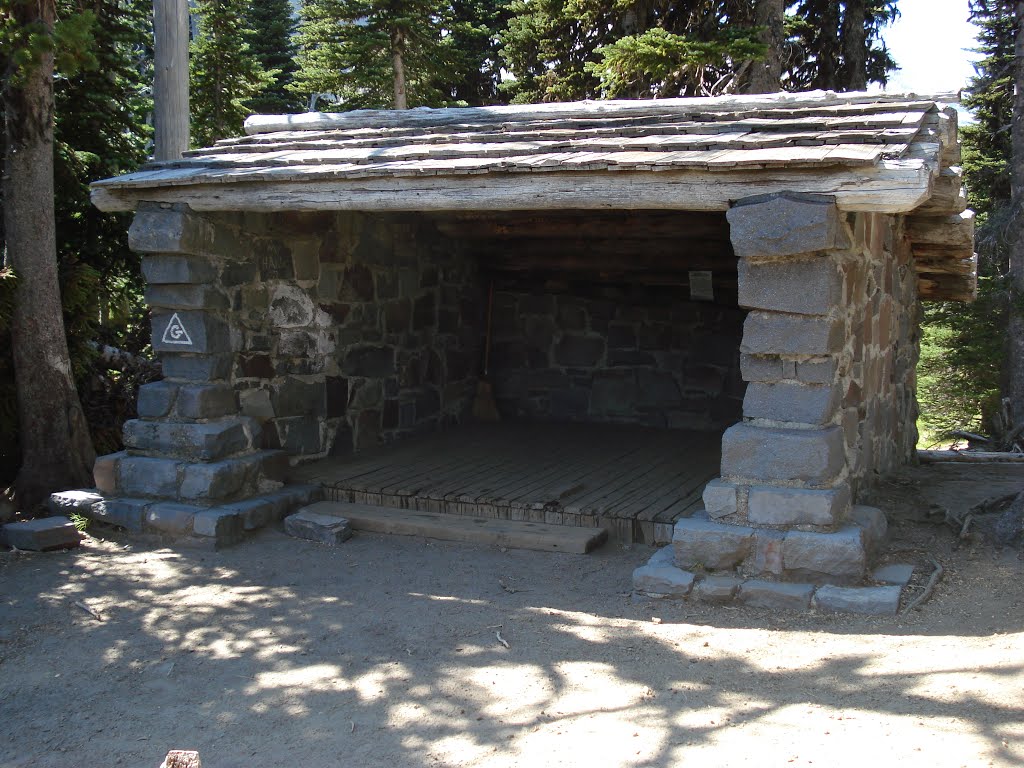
(741,275)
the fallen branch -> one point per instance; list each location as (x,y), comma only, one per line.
(91,611)
(502,640)
(920,600)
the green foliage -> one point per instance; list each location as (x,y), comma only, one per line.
(223,72)
(661,63)
(963,349)
(273,45)
(473,50)
(101,101)
(815,57)
(346,49)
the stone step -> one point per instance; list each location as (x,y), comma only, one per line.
(474,530)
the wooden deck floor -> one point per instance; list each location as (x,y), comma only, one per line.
(633,481)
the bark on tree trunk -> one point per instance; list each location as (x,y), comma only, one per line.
(855,47)
(56,450)
(397,53)
(766,75)
(828,48)
(1015,331)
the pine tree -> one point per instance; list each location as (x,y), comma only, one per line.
(56,450)
(224,74)
(373,53)
(273,44)
(473,48)
(963,345)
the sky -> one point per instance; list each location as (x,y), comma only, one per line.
(931,42)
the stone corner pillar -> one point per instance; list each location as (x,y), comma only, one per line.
(192,464)
(782,506)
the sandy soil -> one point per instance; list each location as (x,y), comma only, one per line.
(384,652)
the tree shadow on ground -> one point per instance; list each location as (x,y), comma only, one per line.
(386,652)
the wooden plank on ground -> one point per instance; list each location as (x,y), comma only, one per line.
(473,530)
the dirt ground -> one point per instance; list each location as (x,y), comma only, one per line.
(384,652)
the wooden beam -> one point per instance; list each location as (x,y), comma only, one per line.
(954,231)
(893,186)
(947,196)
(936,287)
(561,226)
(605,255)
(170,86)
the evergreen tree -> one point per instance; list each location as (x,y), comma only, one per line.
(474,45)
(273,45)
(963,353)
(373,53)
(839,46)
(224,74)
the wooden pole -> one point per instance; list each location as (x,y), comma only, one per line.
(170,86)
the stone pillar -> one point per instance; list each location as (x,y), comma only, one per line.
(192,464)
(782,507)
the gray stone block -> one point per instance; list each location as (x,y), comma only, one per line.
(220,479)
(873,524)
(173,296)
(170,269)
(716,589)
(206,401)
(372,362)
(771,505)
(186,367)
(774,454)
(770,333)
(190,331)
(871,601)
(170,517)
(105,472)
(664,556)
(720,498)
(313,526)
(714,546)
(68,502)
(206,441)
(761,368)
(898,574)
(223,525)
(788,401)
(766,554)
(127,513)
(257,512)
(41,534)
(776,595)
(821,557)
(255,403)
(663,580)
(784,224)
(169,230)
(805,287)
(156,399)
(821,371)
(145,476)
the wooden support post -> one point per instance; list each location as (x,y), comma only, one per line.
(170,87)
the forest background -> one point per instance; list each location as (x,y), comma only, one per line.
(273,56)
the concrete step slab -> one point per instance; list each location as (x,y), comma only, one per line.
(41,534)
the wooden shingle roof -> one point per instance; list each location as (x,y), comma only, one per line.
(873,151)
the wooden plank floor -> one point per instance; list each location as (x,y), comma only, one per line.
(633,481)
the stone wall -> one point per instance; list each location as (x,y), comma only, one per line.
(341,331)
(616,353)
(829,350)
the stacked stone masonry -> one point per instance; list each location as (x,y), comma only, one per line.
(617,353)
(829,350)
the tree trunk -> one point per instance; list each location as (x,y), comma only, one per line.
(56,450)
(397,53)
(855,76)
(1015,331)
(766,75)
(828,48)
